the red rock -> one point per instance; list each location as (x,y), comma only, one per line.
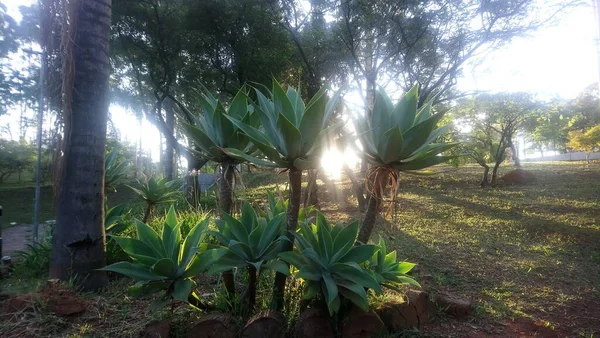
(265,324)
(361,324)
(518,177)
(159,329)
(455,306)
(313,323)
(216,325)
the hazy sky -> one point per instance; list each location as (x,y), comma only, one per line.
(555,61)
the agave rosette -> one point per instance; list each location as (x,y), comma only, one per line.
(292,132)
(213,131)
(402,136)
(330,263)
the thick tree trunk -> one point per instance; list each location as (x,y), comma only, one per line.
(295,178)
(226,189)
(169,144)
(373,208)
(78,249)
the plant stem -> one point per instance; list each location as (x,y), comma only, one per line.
(251,287)
(373,208)
(148,212)
(226,201)
(295,177)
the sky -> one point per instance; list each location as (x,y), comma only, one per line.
(558,61)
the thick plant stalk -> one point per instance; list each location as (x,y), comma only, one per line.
(226,201)
(295,177)
(373,208)
(251,287)
(148,212)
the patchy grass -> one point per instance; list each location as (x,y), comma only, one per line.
(524,254)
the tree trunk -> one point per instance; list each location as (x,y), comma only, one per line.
(495,174)
(295,178)
(148,212)
(169,146)
(310,194)
(78,249)
(373,208)
(138,158)
(515,154)
(226,189)
(484,181)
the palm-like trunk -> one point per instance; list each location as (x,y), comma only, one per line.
(226,201)
(373,208)
(79,241)
(295,177)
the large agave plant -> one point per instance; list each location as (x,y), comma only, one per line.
(213,131)
(292,132)
(397,138)
(402,136)
(163,262)
(292,136)
(157,191)
(330,263)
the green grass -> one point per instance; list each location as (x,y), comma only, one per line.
(528,252)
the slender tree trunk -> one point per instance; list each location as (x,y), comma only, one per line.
(373,208)
(516,159)
(295,178)
(495,174)
(78,249)
(310,193)
(226,189)
(484,181)
(169,146)
(358,187)
(138,158)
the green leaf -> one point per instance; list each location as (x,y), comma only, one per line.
(312,122)
(355,274)
(147,235)
(331,286)
(421,163)
(406,109)
(242,156)
(296,101)
(239,231)
(278,266)
(309,272)
(133,271)
(403,267)
(191,243)
(147,288)
(416,136)
(358,300)
(290,138)
(165,267)
(138,250)
(283,105)
(182,289)
(203,261)
(390,145)
(171,235)
(311,289)
(293,258)
(359,254)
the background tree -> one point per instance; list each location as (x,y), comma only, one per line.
(492,122)
(588,141)
(78,248)
(15,157)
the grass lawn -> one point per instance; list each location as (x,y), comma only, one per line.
(528,256)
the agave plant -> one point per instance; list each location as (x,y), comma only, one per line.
(274,207)
(114,219)
(211,132)
(387,270)
(397,138)
(292,137)
(156,191)
(114,170)
(250,242)
(330,263)
(164,262)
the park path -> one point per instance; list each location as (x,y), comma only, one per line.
(17,237)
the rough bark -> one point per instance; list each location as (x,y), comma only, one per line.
(484,181)
(169,142)
(373,208)
(310,195)
(295,178)
(495,174)
(79,241)
(251,287)
(359,189)
(147,213)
